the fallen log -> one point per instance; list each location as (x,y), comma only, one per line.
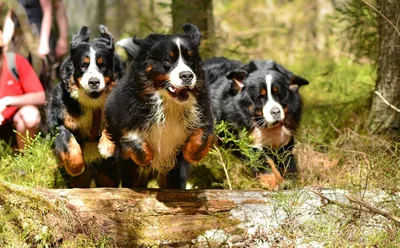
(154,217)
(162,217)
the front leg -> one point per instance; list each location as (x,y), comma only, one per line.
(106,146)
(135,148)
(69,152)
(198,145)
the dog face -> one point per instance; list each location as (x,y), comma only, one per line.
(272,89)
(93,64)
(170,63)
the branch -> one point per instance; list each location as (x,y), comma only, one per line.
(373,209)
(361,205)
(386,101)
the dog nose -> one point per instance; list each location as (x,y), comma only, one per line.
(94,82)
(275,112)
(186,76)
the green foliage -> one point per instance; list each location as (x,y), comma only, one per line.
(34,166)
(359,24)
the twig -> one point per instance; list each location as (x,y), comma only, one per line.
(361,205)
(372,7)
(334,202)
(373,209)
(386,101)
(221,161)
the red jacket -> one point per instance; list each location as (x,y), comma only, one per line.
(9,86)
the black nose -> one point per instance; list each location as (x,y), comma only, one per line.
(275,112)
(186,76)
(94,82)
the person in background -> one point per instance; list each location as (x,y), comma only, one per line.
(19,98)
(28,24)
(40,16)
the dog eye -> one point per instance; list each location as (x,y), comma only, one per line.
(168,61)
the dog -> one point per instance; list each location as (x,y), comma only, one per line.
(159,117)
(75,108)
(263,98)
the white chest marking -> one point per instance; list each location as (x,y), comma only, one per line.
(173,124)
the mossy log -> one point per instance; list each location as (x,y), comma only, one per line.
(153,217)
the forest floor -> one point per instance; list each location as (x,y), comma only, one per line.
(336,155)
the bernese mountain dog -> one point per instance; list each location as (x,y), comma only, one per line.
(159,115)
(263,98)
(75,108)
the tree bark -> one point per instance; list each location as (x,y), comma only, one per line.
(382,118)
(199,13)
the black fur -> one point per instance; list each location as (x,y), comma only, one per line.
(131,107)
(236,96)
(66,111)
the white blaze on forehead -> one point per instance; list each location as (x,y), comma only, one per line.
(271,103)
(92,71)
(180,67)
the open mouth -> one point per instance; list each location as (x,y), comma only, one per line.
(181,94)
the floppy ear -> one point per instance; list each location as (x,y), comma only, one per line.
(83,35)
(296,82)
(237,78)
(106,35)
(193,32)
(131,46)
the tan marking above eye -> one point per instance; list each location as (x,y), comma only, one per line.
(149,68)
(86,60)
(190,53)
(100,61)
(275,89)
(172,54)
(263,92)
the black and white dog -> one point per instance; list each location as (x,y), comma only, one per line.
(261,96)
(159,115)
(75,108)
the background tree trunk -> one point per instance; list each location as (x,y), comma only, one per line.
(199,13)
(382,118)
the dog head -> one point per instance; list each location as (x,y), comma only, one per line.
(273,91)
(92,68)
(170,64)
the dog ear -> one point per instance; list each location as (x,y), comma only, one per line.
(193,32)
(83,35)
(131,46)
(296,82)
(106,35)
(237,78)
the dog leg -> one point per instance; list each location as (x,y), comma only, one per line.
(69,152)
(106,145)
(198,145)
(135,148)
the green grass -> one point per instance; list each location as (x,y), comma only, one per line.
(35,166)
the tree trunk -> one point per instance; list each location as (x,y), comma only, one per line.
(382,118)
(199,13)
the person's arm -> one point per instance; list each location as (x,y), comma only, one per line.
(8,29)
(33,98)
(62,24)
(44,47)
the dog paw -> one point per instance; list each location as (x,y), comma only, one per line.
(141,154)
(106,146)
(73,161)
(198,145)
(271,181)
